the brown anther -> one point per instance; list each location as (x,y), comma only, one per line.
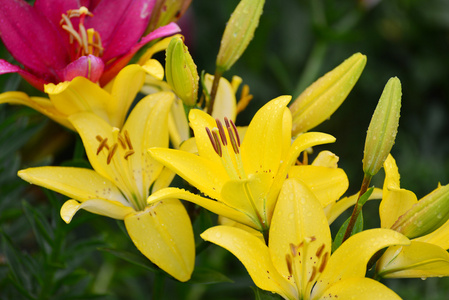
(319,251)
(294,249)
(222,132)
(99,138)
(212,140)
(323,262)
(233,141)
(111,153)
(217,142)
(288,259)
(312,277)
(235,132)
(128,140)
(121,141)
(128,154)
(103,144)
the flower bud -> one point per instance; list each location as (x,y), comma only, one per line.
(321,99)
(181,72)
(383,127)
(427,215)
(238,33)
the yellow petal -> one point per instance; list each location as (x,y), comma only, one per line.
(298,215)
(159,46)
(102,207)
(327,184)
(326,159)
(80,184)
(79,95)
(178,126)
(334,210)
(211,205)
(42,105)
(360,289)
(254,255)
(199,172)
(126,85)
(225,104)
(262,146)
(394,204)
(163,180)
(147,127)
(417,260)
(89,126)
(163,233)
(439,237)
(351,258)
(303,142)
(228,222)
(154,68)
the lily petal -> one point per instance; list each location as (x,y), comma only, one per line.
(360,289)
(80,184)
(164,234)
(79,95)
(416,260)
(125,87)
(102,207)
(90,67)
(327,184)
(439,237)
(351,258)
(254,255)
(148,125)
(298,216)
(211,205)
(260,148)
(198,171)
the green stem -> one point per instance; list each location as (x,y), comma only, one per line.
(213,92)
(357,208)
(158,285)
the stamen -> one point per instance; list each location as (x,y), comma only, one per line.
(288,258)
(103,144)
(222,132)
(320,251)
(73,34)
(236,132)
(111,153)
(294,249)
(85,43)
(312,277)
(121,140)
(99,138)
(217,142)
(128,154)
(232,137)
(212,141)
(323,262)
(128,140)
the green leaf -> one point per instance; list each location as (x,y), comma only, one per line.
(133,258)
(264,295)
(41,228)
(358,227)
(208,276)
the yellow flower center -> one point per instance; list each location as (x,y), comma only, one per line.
(118,156)
(297,261)
(229,152)
(88,41)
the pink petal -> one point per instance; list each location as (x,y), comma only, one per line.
(112,69)
(30,38)
(6,67)
(120,23)
(89,66)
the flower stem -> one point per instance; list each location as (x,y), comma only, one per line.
(213,92)
(358,207)
(158,285)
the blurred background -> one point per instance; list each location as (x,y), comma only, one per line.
(297,41)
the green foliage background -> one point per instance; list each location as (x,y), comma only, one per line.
(297,41)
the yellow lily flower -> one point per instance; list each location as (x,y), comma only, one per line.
(426,256)
(297,263)
(121,180)
(111,103)
(244,177)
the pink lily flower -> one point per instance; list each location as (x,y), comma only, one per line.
(58,40)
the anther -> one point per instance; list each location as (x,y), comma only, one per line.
(103,144)
(222,132)
(212,141)
(320,251)
(235,131)
(217,143)
(128,140)
(121,141)
(288,259)
(323,262)
(128,154)
(294,249)
(312,277)
(111,153)
(233,141)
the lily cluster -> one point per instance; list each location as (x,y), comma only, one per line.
(275,208)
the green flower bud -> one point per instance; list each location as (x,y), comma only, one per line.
(238,33)
(383,127)
(321,99)
(426,216)
(181,72)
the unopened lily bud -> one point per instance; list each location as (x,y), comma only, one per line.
(166,11)
(181,72)
(238,33)
(383,127)
(321,99)
(426,216)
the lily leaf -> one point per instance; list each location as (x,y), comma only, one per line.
(208,276)
(133,258)
(358,227)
